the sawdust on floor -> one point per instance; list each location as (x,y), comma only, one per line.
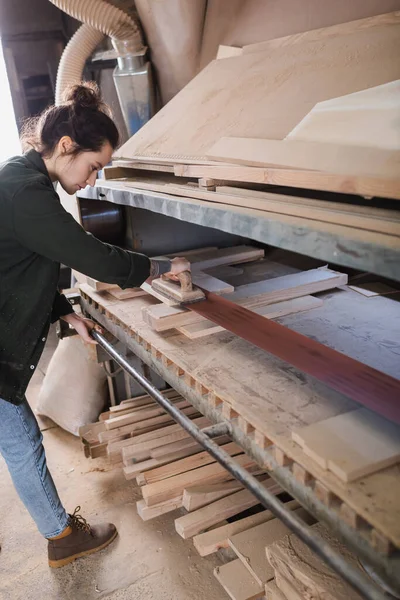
(148,561)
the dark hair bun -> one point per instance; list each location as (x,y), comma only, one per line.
(84,96)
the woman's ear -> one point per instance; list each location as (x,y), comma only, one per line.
(65,145)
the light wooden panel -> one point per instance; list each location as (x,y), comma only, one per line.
(366,118)
(352,445)
(272,93)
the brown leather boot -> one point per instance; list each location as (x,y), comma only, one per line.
(79,539)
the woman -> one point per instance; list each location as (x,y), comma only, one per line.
(70,144)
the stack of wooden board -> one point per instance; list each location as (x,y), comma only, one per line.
(291,85)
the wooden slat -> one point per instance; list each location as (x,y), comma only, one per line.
(168,488)
(198,496)
(237,581)
(151,512)
(299,154)
(271,311)
(210,541)
(117,446)
(311,180)
(199,520)
(351,445)
(187,464)
(140,416)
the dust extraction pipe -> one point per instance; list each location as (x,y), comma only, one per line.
(132,76)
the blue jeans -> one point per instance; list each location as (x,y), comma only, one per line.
(22,449)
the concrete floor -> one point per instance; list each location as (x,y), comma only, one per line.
(148,561)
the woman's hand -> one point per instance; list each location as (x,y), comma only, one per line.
(178,265)
(83,326)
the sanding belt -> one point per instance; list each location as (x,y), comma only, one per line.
(374,389)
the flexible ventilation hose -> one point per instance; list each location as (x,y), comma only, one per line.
(99,18)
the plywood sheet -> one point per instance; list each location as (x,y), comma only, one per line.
(271,92)
(368,118)
(352,445)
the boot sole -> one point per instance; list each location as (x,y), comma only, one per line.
(56,564)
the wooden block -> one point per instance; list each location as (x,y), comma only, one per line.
(173,290)
(198,496)
(270,311)
(373,288)
(250,545)
(210,541)
(132,471)
(228,51)
(175,447)
(237,581)
(187,464)
(298,154)
(351,445)
(151,512)
(162,490)
(199,520)
(126,294)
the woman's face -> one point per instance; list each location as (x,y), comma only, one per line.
(76,172)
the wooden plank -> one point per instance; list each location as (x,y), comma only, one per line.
(210,541)
(290,81)
(143,426)
(114,447)
(227,256)
(367,118)
(237,581)
(168,488)
(187,464)
(198,496)
(314,35)
(312,204)
(151,512)
(270,311)
(374,288)
(304,154)
(199,520)
(312,180)
(126,294)
(266,292)
(351,445)
(141,450)
(173,447)
(211,284)
(250,545)
(287,589)
(140,416)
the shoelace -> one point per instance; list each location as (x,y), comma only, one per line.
(79,522)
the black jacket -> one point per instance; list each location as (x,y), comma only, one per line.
(36,235)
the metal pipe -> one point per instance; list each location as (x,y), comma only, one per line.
(217,430)
(353,577)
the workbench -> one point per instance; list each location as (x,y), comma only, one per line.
(265,399)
